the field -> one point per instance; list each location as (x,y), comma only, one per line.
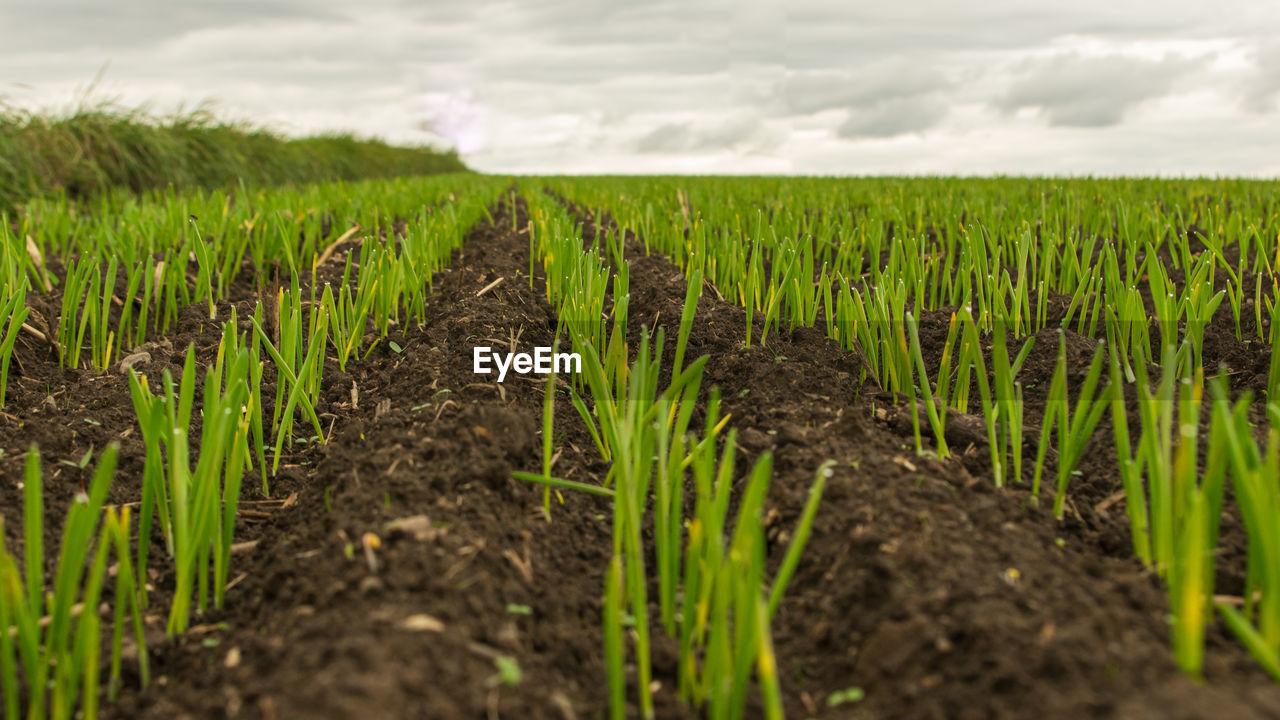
(100,147)
(864,448)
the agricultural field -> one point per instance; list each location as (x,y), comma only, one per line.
(831,448)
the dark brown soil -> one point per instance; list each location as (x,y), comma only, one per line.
(319,633)
(938,595)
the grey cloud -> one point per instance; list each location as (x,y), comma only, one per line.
(575,82)
(594,23)
(672,137)
(749,135)
(88,24)
(580,64)
(1073,90)
(824,34)
(1262,90)
(893,117)
(897,78)
(884,98)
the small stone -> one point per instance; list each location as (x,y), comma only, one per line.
(509,636)
(138,358)
(416,526)
(754,440)
(791,435)
(422,622)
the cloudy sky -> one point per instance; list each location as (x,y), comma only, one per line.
(815,87)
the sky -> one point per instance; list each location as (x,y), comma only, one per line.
(1101,87)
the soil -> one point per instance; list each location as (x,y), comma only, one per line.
(938,595)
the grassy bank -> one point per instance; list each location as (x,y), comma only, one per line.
(98,149)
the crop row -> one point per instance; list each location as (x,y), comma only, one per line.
(190,493)
(1142,267)
(713,594)
(1010,264)
(708,568)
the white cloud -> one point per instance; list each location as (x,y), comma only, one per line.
(810,86)
(1262,88)
(1081,91)
(893,117)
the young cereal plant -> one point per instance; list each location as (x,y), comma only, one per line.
(1253,471)
(936,416)
(12,314)
(1075,428)
(46,634)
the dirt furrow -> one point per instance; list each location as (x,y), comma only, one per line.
(935,594)
(465,581)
